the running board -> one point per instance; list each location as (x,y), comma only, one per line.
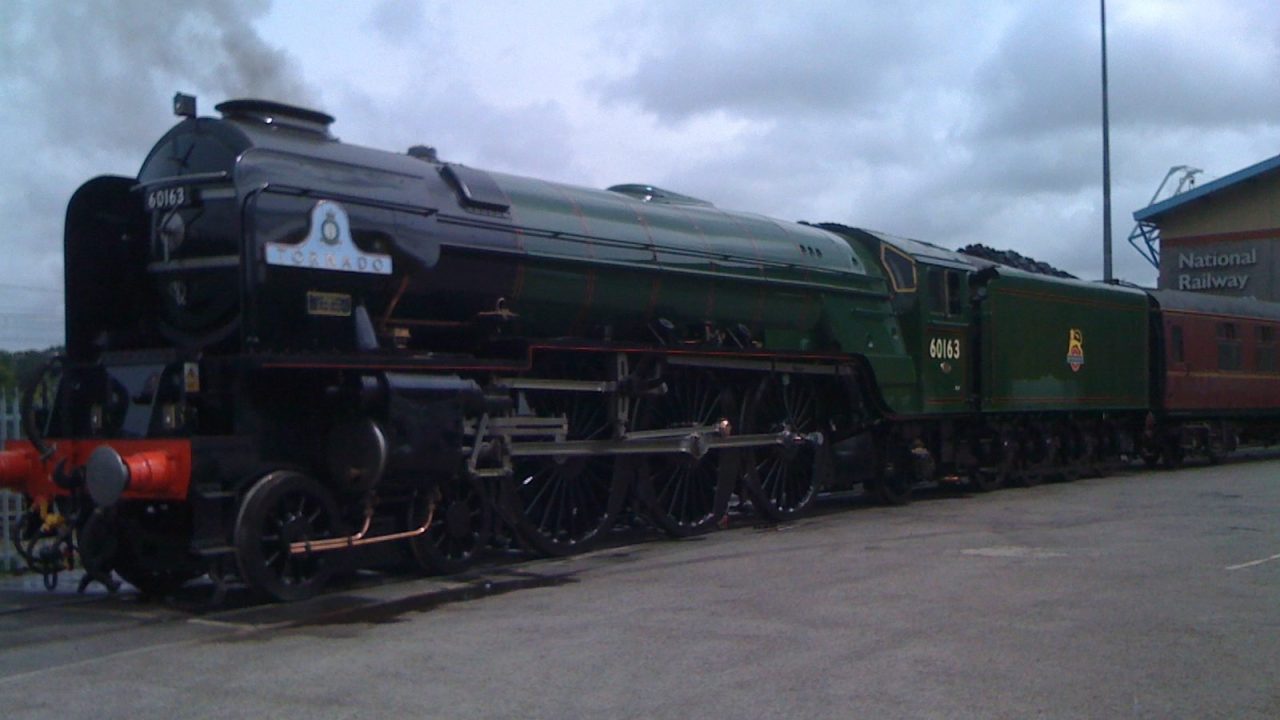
(695,444)
(522,436)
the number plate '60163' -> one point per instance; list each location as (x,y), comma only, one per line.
(167,198)
(944,348)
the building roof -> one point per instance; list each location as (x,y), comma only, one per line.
(1154,211)
(1224,305)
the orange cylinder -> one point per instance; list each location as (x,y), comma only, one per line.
(16,468)
(154,474)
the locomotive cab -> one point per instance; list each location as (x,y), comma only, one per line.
(931,295)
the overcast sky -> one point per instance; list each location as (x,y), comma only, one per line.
(953,122)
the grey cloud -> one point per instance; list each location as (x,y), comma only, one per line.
(1224,74)
(1210,69)
(1044,75)
(1063,162)
(958,128)
(100,66)
(532,139)
(770,60)
(396,21)
(88,86)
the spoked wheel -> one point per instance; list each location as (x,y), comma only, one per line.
(782,481)
(286,507)
(459,527)
(563,504)
(686,494)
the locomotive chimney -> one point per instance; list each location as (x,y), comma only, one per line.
(274,114)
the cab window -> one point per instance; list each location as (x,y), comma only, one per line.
(937,293)
(901,269)
(945,295)
(955,306)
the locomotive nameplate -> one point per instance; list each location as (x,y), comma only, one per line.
(328,246)
(326,303)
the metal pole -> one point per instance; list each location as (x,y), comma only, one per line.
(1106,158)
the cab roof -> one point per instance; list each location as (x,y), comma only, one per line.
(917,250)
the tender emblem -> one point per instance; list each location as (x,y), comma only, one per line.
(1075,349)
(328,246)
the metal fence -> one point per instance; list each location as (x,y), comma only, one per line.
(11,504)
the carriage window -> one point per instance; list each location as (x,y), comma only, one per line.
(1175,344)
(901,269)
(1266,349)
(1228,347)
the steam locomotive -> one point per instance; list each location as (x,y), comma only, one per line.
(281,347)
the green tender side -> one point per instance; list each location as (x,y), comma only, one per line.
(1050,344)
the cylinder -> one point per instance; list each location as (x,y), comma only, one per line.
(16,466)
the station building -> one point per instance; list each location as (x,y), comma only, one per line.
(1222,237)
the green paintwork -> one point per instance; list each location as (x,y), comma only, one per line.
(937,378)
(561,261)
(1027,322)
(594,257)
(940,330)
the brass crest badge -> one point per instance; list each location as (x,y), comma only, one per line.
(1075,349)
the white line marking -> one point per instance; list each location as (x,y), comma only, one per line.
(1013,551)
(220,623)
(1251,563)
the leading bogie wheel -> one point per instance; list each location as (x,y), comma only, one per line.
(282,509)
(458,530)
(782,480)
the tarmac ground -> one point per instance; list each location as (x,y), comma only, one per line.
(1141,595)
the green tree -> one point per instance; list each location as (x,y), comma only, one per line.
(17,368)
(8,376)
